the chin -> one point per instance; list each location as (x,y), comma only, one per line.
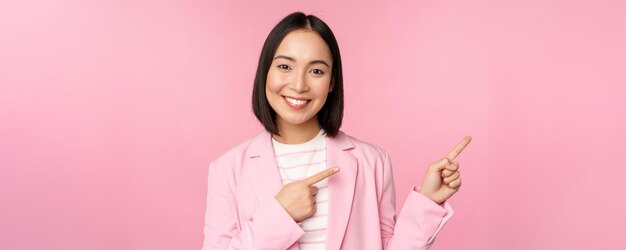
(295,120)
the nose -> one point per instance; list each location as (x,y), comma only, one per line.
(299,83)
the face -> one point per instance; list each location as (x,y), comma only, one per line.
(299,79)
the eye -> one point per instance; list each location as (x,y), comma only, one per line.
(283,66)
(320,72)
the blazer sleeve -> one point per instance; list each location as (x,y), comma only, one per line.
(419,220)
(270,226)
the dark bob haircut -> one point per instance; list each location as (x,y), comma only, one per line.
(331,114)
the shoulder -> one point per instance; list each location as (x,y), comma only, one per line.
(363,149)
(374,160)
(232,155)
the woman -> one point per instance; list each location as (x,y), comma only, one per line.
(302,183)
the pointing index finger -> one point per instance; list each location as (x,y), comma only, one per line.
(458,148)
(321,176)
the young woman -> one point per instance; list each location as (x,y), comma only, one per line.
(302,183)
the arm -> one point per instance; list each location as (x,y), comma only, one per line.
(270,227)
(419,221)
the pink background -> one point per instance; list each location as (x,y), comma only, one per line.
(110,112)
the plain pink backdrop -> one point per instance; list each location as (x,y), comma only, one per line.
(110,112)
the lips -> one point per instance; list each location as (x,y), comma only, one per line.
(296,98)
(296,103)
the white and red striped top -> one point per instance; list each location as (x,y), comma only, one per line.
(298,161)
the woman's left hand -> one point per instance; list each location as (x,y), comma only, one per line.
(443,178)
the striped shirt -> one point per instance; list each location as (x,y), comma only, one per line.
(298,161)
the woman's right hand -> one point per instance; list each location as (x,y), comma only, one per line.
(298,197)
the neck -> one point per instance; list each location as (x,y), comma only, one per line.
(297,133)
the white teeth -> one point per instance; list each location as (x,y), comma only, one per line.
(295,102)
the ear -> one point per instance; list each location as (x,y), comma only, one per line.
(332,85)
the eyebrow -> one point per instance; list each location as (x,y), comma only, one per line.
(293,60)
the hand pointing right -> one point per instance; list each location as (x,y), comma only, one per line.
(298,197)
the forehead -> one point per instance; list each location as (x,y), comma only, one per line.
(304,45)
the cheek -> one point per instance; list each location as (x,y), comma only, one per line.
(322,88)
(273,82)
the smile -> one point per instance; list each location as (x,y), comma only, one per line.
(296,103)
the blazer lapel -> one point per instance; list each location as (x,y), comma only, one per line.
(340,187)
(264,173)
(266,180)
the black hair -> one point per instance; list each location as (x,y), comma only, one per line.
(331,114)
